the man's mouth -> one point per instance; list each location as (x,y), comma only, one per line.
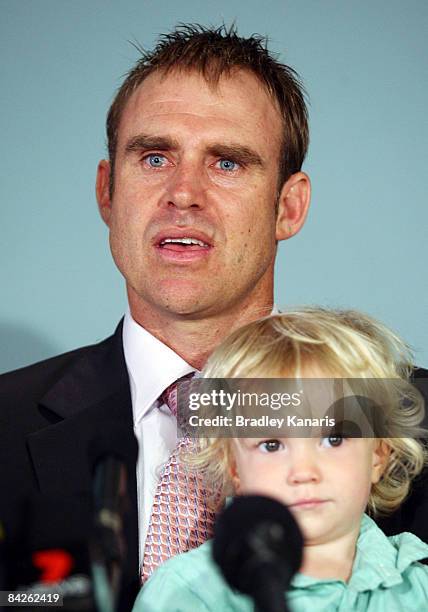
(183,244)
(180,246)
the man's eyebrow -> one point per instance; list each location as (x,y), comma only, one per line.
(144,142)
(236,152)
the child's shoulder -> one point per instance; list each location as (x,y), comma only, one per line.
(384,562)
(410,551)
(190,564)
(187,568)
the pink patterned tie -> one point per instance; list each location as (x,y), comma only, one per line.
(182,514)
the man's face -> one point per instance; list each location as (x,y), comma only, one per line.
(325,482)
(195,163)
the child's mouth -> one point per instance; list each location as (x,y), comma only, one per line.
(307,504)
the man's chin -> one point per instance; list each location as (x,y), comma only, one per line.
(187,308)
(181,298)
(182,305)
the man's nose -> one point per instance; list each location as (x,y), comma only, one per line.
(304,467)
(185,188)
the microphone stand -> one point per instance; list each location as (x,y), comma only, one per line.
(269,597)
(108,543)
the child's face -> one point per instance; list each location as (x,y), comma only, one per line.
(325,482)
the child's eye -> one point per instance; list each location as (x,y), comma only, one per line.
(270,446)
(332,440)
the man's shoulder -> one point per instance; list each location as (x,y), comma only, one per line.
(419,374)
(420,380)
(39,369)
(37,378)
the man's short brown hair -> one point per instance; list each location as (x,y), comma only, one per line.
(214,52)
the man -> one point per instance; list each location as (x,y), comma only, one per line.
(206,137)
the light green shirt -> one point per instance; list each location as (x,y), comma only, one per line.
(386,577)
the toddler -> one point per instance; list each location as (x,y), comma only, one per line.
(330,483)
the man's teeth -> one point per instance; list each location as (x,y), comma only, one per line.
(185,241)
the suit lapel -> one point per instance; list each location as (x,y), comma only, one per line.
(92,393)
(60,452)
(92,390)
(97,372)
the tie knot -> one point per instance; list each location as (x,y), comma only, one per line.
(170,395)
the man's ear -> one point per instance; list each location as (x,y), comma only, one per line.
(293,205)
(103,190)
(381,454)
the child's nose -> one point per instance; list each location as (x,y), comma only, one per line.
(304,467)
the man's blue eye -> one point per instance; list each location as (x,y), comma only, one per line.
(155,160)
(227,164)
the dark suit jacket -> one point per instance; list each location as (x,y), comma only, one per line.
(413,513)
(49,414)
(50,411)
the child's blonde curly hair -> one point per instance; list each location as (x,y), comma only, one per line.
(344,344)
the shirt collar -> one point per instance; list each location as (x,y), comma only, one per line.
(143,354)
(379,560)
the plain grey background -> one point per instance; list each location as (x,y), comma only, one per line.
(364,64)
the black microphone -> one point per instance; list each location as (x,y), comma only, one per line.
(50,544)
(112,455)
(258,546)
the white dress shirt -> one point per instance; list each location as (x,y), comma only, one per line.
(152,367)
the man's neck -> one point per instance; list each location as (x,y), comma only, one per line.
(194,339)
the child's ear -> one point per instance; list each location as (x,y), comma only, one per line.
(233,471)
(381,454)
